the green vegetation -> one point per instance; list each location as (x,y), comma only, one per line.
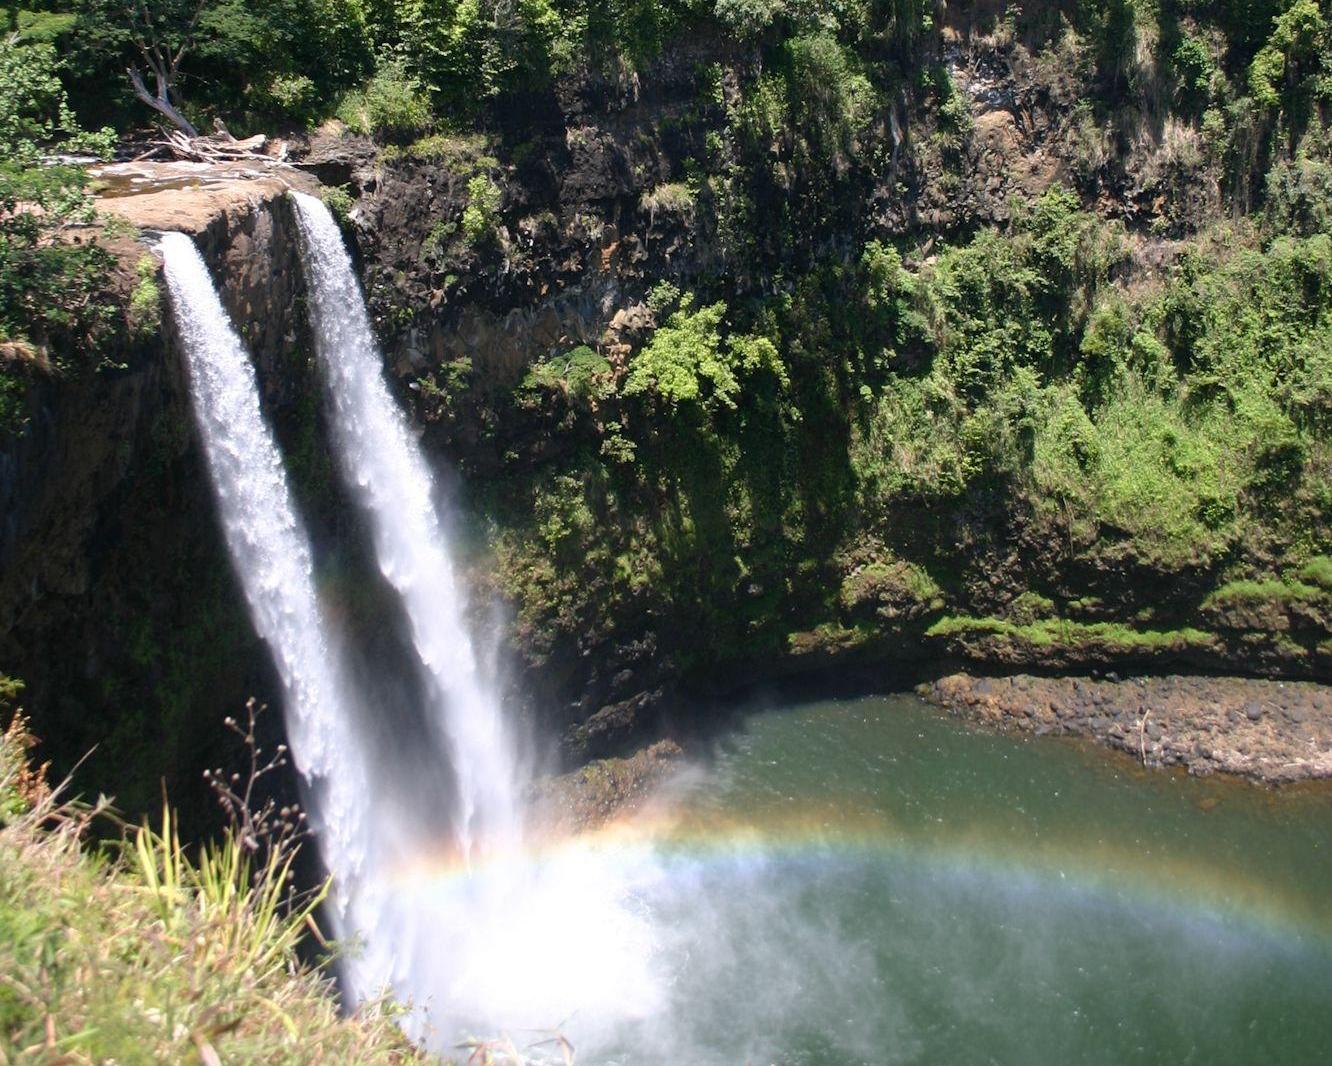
(51,287)
(855,389)
(339,201)
(687,364)
(145,303)
(1247,593)
(392,104)
(484,198)
(767,466)
(857,405)
(1072,636)
(139,951)
(1318,571)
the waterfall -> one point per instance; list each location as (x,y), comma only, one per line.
(271,554)
(479,935)
(380,460)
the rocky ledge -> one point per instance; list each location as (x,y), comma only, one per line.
(192,197)
(603,790)
(1270,731)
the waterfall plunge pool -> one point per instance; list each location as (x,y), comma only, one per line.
(870,881)
(854,882)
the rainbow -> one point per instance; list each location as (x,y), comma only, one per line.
(851,835)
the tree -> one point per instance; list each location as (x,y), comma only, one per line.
(252,61)
(152,38)
(49,284)
(163,32)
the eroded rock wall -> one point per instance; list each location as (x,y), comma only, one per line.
(118,607)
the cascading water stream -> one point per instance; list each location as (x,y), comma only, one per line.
(386,470)
(515,940)
(271,553)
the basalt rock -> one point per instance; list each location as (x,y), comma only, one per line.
(1271,732)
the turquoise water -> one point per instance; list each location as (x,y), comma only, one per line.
(869,881)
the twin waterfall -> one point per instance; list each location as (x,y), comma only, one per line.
(271,553)
(389,476)
(355,802)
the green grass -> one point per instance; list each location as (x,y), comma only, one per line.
(1318,571)
(138,952)
(1250,593)
(457,151)
(1061,633)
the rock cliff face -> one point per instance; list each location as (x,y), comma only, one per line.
(486,257)
(117,603)
(599,202)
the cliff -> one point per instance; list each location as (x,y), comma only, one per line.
(761,359)
(118,607)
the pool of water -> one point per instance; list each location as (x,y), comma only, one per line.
(869,881)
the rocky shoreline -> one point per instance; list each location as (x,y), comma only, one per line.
(1269,731)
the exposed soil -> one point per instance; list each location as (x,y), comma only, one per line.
(1271,731)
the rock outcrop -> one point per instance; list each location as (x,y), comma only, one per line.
(118,607)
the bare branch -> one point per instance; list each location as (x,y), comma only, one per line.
(160,102)
(188,39)
(263,828)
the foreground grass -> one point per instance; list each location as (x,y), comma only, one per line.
(134,954)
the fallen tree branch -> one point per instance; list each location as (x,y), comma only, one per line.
(160,101)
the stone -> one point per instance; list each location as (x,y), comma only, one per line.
(1253,712)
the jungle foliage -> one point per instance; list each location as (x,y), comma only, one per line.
(51,278)
(846,442)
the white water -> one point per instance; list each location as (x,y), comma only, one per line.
(380,460)
(514,941)
(510,941)
(271,553)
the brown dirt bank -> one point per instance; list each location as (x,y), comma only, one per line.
(1270,731)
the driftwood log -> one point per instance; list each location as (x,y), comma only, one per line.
(220,148)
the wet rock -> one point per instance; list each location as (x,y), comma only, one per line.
(1204,724)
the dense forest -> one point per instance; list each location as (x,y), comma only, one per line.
(1001,329)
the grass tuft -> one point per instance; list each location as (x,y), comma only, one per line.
(143,952)
(1318,571)
(1062,633)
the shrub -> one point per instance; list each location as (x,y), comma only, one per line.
(480,215)
(675,198)
(294,95)
(1195,68)
(1299,196)
(392,104)
(749,18)
(145,306)
(582,374)
(339,200)
(688,363)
